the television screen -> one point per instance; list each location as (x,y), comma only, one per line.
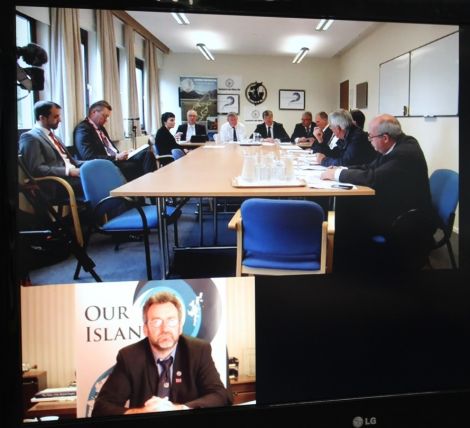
(355,347)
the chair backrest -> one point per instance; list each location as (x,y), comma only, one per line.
(282,227)
(99,177)
(177,153)
(444,185)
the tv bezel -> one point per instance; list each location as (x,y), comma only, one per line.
(440,408)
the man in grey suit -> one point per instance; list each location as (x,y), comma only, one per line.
(43,152)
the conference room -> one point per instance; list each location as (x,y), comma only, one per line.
(348,65)
(347,69)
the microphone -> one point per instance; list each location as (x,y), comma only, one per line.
(133,118)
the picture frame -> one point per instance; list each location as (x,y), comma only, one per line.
(227,103)
(291,99)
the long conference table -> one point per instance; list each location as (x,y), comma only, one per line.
(208,171)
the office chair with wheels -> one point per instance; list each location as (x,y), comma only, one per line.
(282,237)
(444,184)
(118,216)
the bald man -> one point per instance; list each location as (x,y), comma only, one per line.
(399,176)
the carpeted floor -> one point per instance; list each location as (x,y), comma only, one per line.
(128,263)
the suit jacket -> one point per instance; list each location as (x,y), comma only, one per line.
(400,180)
(353,149)
(200,130)
(90,146)
(135,378)
(277,130)
(40,156)
(323,146)
(165,142)
(88,142)
(299,132)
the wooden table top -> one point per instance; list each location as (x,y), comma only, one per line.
(209,170)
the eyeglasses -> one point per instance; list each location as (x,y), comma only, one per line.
(371,137)
(158,322)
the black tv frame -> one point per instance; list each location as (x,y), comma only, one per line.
(441,408)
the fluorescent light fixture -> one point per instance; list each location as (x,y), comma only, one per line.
(324,24)
(205,52)
(180,18)
(300,56)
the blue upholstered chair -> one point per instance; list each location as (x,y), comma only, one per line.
(117,215)
(282,237)
(444,184)
(177,153)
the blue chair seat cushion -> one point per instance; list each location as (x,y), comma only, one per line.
(131,219)
(284,261)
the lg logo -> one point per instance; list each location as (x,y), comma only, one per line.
(359,422)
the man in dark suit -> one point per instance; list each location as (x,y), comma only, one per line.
(352,148)
(399,176)
(270,130)
(303,131)
(322,134)
(190,128)
(43,152)
(93,142)
(165,371)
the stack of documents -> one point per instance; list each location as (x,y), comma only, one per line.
(56,394)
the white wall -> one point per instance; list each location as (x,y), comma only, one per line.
(317,77)
(439,136)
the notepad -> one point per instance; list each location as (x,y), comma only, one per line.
(137,150)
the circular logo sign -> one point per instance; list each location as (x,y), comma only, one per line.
(229,83)
(256,93)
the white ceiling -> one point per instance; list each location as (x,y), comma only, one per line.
(251,35)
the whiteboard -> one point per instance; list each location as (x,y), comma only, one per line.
(394,85)
(434,81)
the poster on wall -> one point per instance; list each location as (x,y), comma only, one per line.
(199,94)
(229,83)
(109,318)
(252,114)
(227,103)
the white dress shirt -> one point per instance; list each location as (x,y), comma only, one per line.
(190,131)
(226,132)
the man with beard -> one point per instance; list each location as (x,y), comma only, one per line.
(165,371)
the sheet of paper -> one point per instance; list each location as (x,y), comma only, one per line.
(137,150)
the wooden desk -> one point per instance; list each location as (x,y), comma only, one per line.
(33,382)
(63,409)
(189,145)
(243,389)
(208,172)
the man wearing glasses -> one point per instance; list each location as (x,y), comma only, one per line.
(352,147)
(165,371)
(92,141)
(399,176)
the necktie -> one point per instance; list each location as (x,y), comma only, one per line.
(107,145)
(163,389)
(56,143)
(269,132)
(234,134)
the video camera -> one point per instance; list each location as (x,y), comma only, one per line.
(31,78)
